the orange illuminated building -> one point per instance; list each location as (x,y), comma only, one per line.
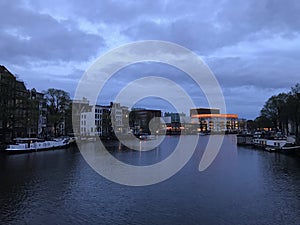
(207,120)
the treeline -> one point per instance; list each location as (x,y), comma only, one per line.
(281,112)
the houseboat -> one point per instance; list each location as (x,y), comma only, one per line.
(35,144)
(259,141)
(244,139)
(275,145)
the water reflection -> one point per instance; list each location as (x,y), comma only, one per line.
(242,186)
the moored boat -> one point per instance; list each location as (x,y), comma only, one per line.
(244,139)
(289,148)
(145,136)
(35,144)
(260,142)
(275,145)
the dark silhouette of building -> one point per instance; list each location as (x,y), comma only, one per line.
(22,118)
(139,120)
(7,104)
(36,111)
(197,111)
(22,111)
(174,125)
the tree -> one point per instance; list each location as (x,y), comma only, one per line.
(293,107)
(262,122)
(281,103)
(270,111)
(250,125)
(275,110)
(58,103)
(282,110)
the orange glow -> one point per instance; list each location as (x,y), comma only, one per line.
(230,116)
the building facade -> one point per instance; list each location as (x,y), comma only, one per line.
(139,120)
(175,122)
(95,121)
(7,104)
(36,111)
(23,112)
(23,119)
(125,120)
(210,120)
(78,106)
(117,118)
(102,121)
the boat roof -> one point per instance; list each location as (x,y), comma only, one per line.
(27,139)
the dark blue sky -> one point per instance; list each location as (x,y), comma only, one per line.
(252,47)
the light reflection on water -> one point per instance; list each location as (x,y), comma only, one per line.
(242,186)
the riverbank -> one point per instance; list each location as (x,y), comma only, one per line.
(281,144)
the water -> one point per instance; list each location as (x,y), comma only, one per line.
(242,186)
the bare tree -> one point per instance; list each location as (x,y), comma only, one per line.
(58,103)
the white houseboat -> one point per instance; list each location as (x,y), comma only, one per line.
(275,145)
(35,144)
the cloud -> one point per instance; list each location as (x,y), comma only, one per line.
(253,45)
(27,36)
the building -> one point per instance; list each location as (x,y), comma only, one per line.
(139,120)
(116,117)
(175,122)
(125,120)
(197,111)
(23,112)
(103,120)
(87,123)
(14,118)
(37,111)
(95,121)
(210,120)
(78,107)
(22,119)
(7,104)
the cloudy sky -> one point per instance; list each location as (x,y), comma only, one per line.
(252,47)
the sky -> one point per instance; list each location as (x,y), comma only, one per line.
(251,46)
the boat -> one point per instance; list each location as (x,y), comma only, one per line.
(145,136)
(35,144)
(275,145)
(271,143)
(72,140)
(289,148)
(244,139)
(259,142)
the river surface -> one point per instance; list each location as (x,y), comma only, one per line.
(241,186)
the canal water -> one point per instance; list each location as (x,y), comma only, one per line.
(242,186)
